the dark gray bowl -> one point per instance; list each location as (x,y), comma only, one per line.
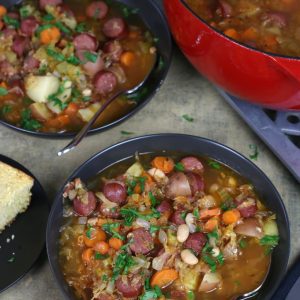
(153,17)
(189,145)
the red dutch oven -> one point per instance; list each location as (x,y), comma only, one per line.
(262,78)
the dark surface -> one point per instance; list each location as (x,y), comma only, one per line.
(29,229)
(188,145)
(154,19)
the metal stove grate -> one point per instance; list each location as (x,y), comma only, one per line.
(279,130)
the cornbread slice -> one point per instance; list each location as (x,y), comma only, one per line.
(15,193)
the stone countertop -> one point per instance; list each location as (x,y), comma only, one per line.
(184,92)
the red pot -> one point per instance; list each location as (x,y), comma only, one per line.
(262,78)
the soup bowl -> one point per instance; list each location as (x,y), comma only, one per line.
(153,18)
(262,78)
(186,144)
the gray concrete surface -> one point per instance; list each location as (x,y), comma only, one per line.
(184,92)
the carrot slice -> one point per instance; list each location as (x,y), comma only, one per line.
(50,35)
(72,109)
(127,58)
(211,225)
(101,247)
(92,236)
(87,255)
(250,34)
(208,213)
(164,277)
(231,32)
(3,11)
(231,216)
(163,163)
(115,243)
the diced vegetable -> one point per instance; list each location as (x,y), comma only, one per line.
(270,227)
(135,170)
(40,111)
(87,113)
(164,277)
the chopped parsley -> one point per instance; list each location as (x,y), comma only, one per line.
(152,199)
(214,165)
(188,118)
(227,204)
(179,167)
(131,214)
(111,229)
(104,278)
(210,261)
(190,295)
(25,11)
(11,22)
(62,27)
(6,109)
(270,241)
(99,256)
(243,244)
(73,60)
(81,27)
(131,184)
(214,234)
(27,122)
(196,213)
(150,293)
(56,101)
(154,228)
(88,233)
(55,54)
(48,17)
(89,56)
(254,149)
(207,254)
(183,215)
(3,91)
(124,132)
(123,262)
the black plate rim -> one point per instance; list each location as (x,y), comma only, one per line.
(19,166)
(136,109)
(166,135)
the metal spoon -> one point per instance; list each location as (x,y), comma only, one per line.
(84,130)
(254,292)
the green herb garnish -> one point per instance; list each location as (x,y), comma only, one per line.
(24,12)
(90,56)
(210,261)
(3,91)
(123,262)
(88,233)
(63,28)
(131,184)
(270,241)
(188,118)
(243,244)
(254,154)
(179,167)
(111,229)
(152,199)
(104,278)
(12,259)
(154,228)
(196,213)
(99,256)
(55,54)
(6,109)
(227,204)
(191,295)
(129,11)
(11,22)
(48,17)
(214,165)
(131,214)
(126,132)
(27,122)
(81,27)
(214,234)
(151,293)
(73,60)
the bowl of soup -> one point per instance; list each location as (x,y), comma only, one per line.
(168,216)
(61,60)
(248,48)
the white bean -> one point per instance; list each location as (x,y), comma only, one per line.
(188,257)
(215,251)
(189,220)
(183,233)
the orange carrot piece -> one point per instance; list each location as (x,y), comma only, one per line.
(208,213)
(115,243)
(87,255)
(231,216)
(3,11)
(101,247)
(250,34)
(63,120)
(164,277)
(232,33)
(95,235)
(211,225)
(50,35)
(127,58)
(163,163)
(270,42)
(72,109)
(134,34)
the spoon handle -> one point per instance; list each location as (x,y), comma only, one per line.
(82,133)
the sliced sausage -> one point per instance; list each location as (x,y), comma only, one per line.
(114,28)
(85,41)
(29,25)
(44,3)
(114,50)
(178,217)
(118,71)
(192,164)
(278,19)
(30,63)
(84,207)
(115,192)
(9,32)
(20,45)
(113,213)
(224,9)
(97,10)
(130,286)
(105,82)
(91,68)
(142,241)
(196,183)
(164,206)
(14,15)
(247,208)
(195,242)
(7,70)
(178,185)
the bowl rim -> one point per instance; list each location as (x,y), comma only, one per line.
(214,143)
(167,63)
(219,32)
